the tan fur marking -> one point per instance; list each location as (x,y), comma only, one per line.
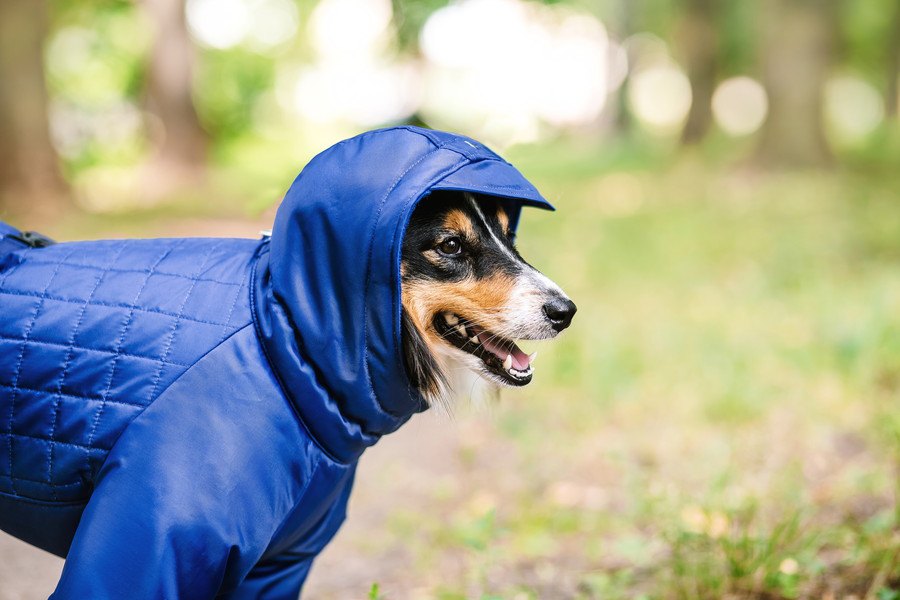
(504,219)
(457,220)
(479,301)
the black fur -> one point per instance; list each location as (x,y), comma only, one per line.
(482,257)
(424,373)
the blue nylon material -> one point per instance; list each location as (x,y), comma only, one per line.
(182,418)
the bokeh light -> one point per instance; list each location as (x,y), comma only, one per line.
(355,79)
(223,24)
(377,94)
(218,23)
(351,30)
(660,97)
(519,67)
(853,108)
(740,105)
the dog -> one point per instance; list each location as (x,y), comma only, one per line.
(468,295)
(183,418)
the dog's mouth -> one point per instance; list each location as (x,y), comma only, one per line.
(501,356)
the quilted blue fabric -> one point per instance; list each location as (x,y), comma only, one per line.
(182,418)
(91,334)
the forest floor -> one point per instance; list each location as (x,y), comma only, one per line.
(722,420)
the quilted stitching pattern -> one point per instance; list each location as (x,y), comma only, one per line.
(90,334)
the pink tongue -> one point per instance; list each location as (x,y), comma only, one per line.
(520,360)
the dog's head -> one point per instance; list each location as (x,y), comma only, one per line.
(468,295)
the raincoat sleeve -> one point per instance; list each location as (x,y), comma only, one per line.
(185,504)
(282,577)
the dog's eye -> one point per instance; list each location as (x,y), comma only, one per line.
(450,247)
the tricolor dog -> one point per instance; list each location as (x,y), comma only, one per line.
(468,295)
(182,418)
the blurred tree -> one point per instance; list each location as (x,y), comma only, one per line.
(30,177)
(892,97)
(169,81)
(738,42)
(410,17)
(870,45)
(229,85)
(797,49)
(699,42)
(622,19)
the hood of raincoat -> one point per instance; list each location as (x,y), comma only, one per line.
(327,292)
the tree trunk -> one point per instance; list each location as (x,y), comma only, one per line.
(798,41)
(30,178)
(181,150)
(892,94)
(699,41)
(623,25)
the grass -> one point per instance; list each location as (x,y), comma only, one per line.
(723,419)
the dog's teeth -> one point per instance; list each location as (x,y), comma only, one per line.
(451,319)
(461,330)
(474,339)
(531,358)
(507,363)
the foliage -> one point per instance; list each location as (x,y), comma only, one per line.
(865,29)
(102,69)
(410,17)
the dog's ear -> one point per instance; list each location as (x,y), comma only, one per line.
(421,366)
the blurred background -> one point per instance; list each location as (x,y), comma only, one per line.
(723,418)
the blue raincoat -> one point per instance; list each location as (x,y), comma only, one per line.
(182,418)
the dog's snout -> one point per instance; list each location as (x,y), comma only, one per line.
(560,311)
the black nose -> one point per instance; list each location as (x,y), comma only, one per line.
(560,312)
